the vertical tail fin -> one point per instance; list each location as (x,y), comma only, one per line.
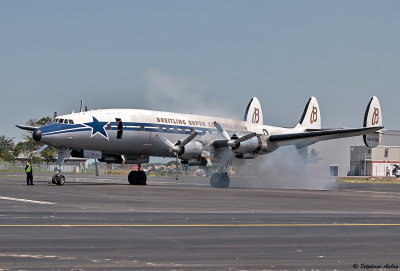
(253,113)
(372,118)
(311,118)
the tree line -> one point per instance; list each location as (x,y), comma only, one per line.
(10,150)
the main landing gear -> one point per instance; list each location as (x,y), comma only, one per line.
(219,180)
(137,177)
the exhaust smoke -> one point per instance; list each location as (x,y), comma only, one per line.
(283,169)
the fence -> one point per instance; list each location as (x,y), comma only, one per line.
(52,167)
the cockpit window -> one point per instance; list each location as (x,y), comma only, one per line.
(66,121)
(71,121)
(61,121)
(55,120)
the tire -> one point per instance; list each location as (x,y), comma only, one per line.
(60,180)
(137,178)
(219,180)
(132,177)
(142,178)
(53,179)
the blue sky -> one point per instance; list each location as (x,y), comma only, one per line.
(207,57)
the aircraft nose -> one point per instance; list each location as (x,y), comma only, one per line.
(37,135)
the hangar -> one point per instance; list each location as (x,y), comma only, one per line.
(375,162)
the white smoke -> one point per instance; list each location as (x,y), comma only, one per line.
(168,92)
(284,169)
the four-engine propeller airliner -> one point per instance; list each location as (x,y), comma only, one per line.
(133,135)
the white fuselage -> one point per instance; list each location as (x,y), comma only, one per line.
(140,128)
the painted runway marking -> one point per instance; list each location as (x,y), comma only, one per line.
(28,200)
(35,256)
(215,225)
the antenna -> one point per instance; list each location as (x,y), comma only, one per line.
(80,110)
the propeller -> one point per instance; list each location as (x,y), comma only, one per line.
(178,147)
(42,149)
(233,141)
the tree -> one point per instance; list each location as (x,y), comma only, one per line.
(29,146)
(6,148)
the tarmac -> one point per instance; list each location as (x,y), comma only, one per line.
(103,223)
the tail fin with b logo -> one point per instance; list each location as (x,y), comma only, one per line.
(311,118)
(253,113)
(372,118)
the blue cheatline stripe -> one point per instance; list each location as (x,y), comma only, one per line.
(68,131)
(53,129)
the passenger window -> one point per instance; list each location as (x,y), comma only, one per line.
(71,122)
(66,121)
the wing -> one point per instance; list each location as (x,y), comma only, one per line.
(315,136)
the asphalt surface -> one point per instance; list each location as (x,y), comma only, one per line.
(105,224)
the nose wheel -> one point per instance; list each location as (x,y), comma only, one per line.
(58,179)
(137,178)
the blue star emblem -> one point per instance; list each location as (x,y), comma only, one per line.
(97,127)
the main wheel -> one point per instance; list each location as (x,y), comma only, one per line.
(142,178)
(137,178)
(219,180)
(132,177)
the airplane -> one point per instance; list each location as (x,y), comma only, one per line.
(133,135)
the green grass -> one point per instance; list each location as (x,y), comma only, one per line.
(375,180)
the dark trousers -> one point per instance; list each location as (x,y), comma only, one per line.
(29,178)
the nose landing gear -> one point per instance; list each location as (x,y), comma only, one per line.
(58,179)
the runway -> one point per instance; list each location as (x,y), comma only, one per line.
(105,224)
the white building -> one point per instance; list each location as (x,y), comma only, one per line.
(374,162)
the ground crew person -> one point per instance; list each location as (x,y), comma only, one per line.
(29,174)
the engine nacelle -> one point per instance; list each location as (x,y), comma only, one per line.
(192,150)
(111,159)
(124,159)
(257,145)
(246,156)
(195,162)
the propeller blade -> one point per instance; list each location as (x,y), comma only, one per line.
(188,139)
(241,139)
(166,142)
(176,169)
(222,130)
(42,148)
